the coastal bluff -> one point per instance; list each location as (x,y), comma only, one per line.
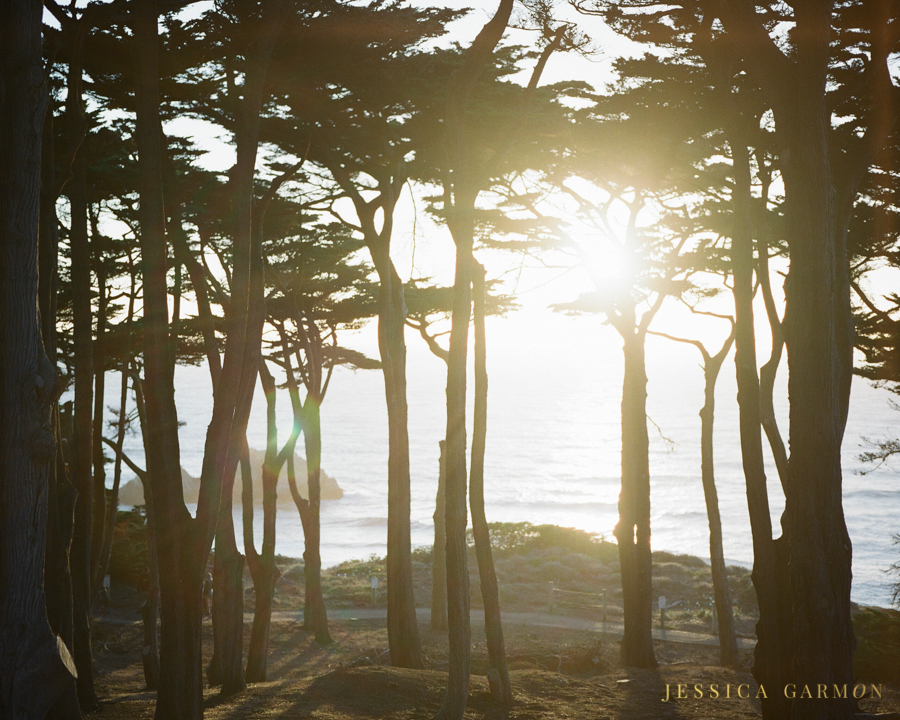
(132,492)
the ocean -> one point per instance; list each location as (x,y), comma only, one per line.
(553,447)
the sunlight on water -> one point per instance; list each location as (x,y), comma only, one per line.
(553,449)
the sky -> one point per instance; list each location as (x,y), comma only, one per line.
(422,249)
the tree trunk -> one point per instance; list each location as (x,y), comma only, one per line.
(301,502)
(818,331)
(460,196)
(180,679)
(246,316)
(112,508)
(150,610)
(228,615)
(403,628)
(820,185)
(498,675)
(226,667)
(184,542)
(262,565)
(728,651)
(181,550)
(439,551)
(36,667)
(633,529)
(303,510)
(149,654)
(769,371)
(57,577)
(99,511)
(312,561)
(82,436)
(61,493)
(456,517)
(773,631)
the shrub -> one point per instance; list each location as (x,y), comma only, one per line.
(506,536)
(571,539)
(661,556)
(877,655)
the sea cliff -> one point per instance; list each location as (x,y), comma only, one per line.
(132,492)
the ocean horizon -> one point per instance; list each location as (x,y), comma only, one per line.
(553,447)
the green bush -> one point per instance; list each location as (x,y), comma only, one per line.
(661,556)
(507,536)
(523,537)
(877,655)
(677,571)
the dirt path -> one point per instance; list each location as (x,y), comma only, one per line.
(530,619)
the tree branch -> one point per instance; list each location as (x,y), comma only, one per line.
(765,61)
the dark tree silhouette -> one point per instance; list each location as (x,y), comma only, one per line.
(150,607)
(340,107)
(460,194)
(262,564)
(81,460)
(498,674)
(426,303)
(183,541)
(61,493)
(820,188)
(712,364)
(318,290)
(769,555)
(36,665)
(439,549)
(663,275)
(831,120)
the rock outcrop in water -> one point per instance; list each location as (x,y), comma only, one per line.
(132,492)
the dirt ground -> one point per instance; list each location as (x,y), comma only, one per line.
(556,673)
